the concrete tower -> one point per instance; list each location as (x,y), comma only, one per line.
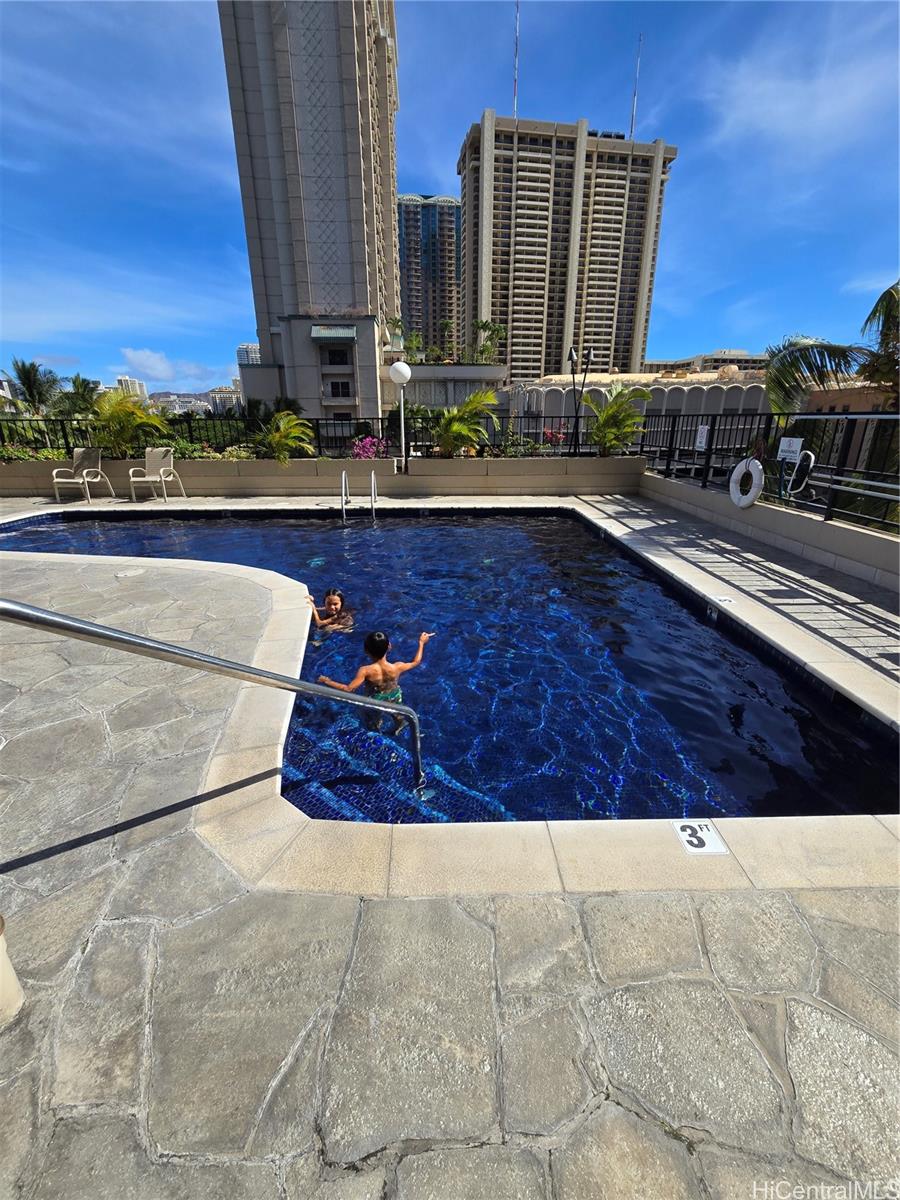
(313,92)
(560,229)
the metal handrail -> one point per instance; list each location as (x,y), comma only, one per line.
(373,494)
(345,495)
(134,643)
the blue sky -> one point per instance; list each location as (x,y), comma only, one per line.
(122,237)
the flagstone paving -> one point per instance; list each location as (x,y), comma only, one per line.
(186,1035)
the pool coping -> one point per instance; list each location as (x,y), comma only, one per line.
(274,846)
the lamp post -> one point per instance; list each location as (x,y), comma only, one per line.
(400,374)
(575,444)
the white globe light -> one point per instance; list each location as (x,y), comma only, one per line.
(400,373)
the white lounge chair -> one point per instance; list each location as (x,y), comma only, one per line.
(84,471)
(157,469)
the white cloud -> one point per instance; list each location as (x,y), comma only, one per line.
(149,364)
(182,123)
(156,367)
(807,102)
(866,284)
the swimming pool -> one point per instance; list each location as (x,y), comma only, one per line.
(564,681)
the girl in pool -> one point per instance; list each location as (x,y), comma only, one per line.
(338,616)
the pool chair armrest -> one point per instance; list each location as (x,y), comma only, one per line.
(168,473)
(138,473)
(93,474)
(64,473)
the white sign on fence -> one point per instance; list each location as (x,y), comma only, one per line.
(702,437)
(789,449)
(699,837)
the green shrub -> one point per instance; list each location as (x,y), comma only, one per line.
(12,452)
(285,436)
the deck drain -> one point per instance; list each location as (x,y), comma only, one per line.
(128,574)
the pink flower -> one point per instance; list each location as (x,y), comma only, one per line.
(369,447)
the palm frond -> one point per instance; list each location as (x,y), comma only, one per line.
(798,364)
(616,427)
(285,434)
(121,422)
(884,318)
(36,386)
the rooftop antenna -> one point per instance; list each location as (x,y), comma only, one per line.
(637,71)
(516,70)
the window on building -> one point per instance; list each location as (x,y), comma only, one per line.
(340,387)
(338,356)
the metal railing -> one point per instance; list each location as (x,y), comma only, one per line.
(332,437)
(855,477)
(373,495)
(132,643)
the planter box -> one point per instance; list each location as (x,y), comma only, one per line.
(456,467)
(537,476)
(529,467)
(295,469)
(356,468)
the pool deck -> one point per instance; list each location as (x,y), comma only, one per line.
(227,999)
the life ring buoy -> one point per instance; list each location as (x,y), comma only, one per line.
(801,473)
(757,479)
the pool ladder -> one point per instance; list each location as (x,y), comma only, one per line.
(345,495)
(86,631)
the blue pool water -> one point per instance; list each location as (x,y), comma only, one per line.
(564,682)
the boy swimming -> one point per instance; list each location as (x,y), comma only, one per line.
(380,677)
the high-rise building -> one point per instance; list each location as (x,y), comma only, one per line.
(560,234)
(429,232)
(313,91)
(132,387)
(248,354)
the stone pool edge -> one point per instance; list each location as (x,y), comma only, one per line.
(274,846)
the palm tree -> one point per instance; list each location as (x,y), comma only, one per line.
(617,422)
(395,325)
(882,367)
(487,336)
(121,422)
(78,401)
(36,386)
(446,332)
(461,427)
(413,342)
(799,363)
(286,433)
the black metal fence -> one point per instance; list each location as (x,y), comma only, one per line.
(333,437)
(855,476)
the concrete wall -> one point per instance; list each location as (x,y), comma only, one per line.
(321,477)
(436,385)
(864,553)
(517,477)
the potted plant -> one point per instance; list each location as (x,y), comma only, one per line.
(284,435)
(617,422)
(461,428)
